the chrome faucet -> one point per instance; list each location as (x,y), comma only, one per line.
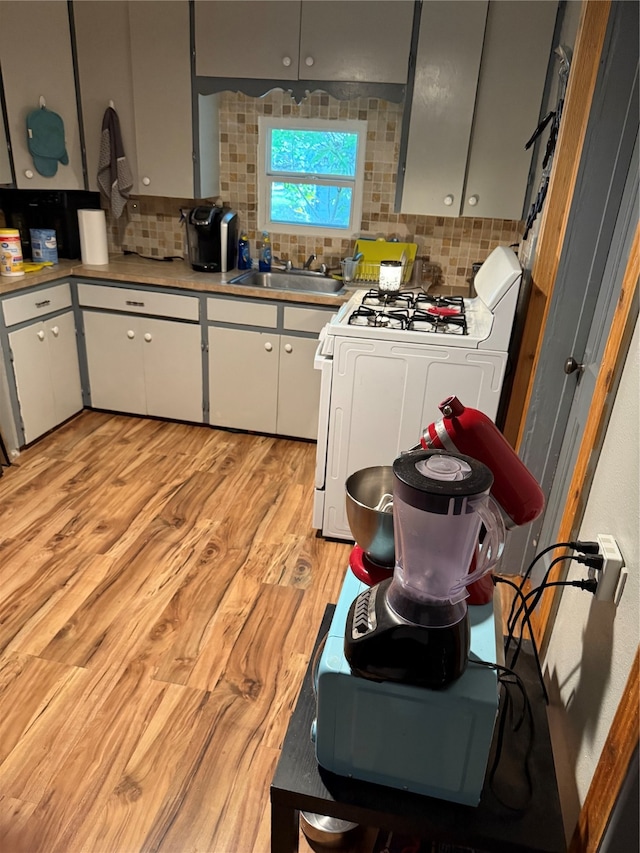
(307,264)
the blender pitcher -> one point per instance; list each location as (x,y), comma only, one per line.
(440,502)
(414,628)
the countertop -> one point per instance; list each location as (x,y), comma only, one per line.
(132,269)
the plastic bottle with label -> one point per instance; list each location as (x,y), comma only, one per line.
(264,264)
(244,253)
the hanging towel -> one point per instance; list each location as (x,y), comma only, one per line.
(114,176)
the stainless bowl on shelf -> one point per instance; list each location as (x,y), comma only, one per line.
(369,496)
(329,831)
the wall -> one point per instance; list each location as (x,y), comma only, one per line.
(453,243)
(593,643)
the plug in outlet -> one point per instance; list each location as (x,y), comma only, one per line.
(613,575)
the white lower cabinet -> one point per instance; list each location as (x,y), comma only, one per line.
(298,388)
(243,379)
(264,382)
(45,364)
(263,379)
(144,366)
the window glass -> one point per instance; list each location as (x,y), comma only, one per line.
(311,174)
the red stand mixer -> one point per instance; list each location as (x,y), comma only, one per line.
(515,489)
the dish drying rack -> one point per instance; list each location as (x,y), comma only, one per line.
(376,251)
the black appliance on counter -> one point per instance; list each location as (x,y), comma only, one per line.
(57,209)
(212,238)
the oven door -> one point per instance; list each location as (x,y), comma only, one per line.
(323,362)
(382,394)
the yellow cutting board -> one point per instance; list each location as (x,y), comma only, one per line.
(374,251)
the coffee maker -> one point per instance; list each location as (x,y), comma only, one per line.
(212,238)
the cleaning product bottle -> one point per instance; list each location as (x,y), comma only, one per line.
(244,253)
(264,264)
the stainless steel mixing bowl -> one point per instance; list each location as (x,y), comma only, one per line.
(371,526)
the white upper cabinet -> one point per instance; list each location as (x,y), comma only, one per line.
(161,68)
(137,56)
(350,40)
(5,163)
(36,60)
(478,89)
(104,75)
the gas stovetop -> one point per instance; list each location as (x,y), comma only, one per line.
(414,316)
(482,322)
(410,310)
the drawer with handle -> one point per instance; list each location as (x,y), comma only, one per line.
(36,303)
(131,301)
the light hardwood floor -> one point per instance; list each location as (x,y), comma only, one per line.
(160,591)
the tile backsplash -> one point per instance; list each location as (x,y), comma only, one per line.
(151,226)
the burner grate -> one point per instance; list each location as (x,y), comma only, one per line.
(424,321)
(365,316)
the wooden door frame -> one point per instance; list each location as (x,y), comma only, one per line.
(623,735)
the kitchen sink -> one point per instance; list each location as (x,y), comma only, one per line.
(305,281)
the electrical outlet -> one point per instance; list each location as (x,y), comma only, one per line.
(613,575)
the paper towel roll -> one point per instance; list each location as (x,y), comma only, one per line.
(94,248)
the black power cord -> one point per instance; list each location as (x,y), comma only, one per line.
(505,674)
(526,618)
(583,547)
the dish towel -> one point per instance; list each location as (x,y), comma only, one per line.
(114,175)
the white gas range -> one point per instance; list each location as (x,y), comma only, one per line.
(387,362)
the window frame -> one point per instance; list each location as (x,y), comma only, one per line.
(266,124)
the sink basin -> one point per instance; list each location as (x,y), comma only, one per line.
(302,280)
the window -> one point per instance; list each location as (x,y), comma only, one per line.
(310,175)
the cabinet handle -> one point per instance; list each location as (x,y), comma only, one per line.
(473,200)
(147,337)
(286,61)
(133,302)
(146,181)
(288,348)
(309,61)
(448,200)
(28,173)
(40,335)
(55,331)
(268,346)
(131,334)
(43,304)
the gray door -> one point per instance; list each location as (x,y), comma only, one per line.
(587,283)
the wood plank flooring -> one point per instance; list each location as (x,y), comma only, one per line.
(160,591)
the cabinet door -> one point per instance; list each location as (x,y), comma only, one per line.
(243,379)
(172,358)
(37,62)
(114,358)
(104,75)
(361,41)
(252,39)
(64,368)
(444,93)
(298,388)
(30,350)
(508,107)
(6,176)
(161,71)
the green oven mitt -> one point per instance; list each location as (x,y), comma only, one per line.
(45,139)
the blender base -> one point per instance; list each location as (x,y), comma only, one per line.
(433,742)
